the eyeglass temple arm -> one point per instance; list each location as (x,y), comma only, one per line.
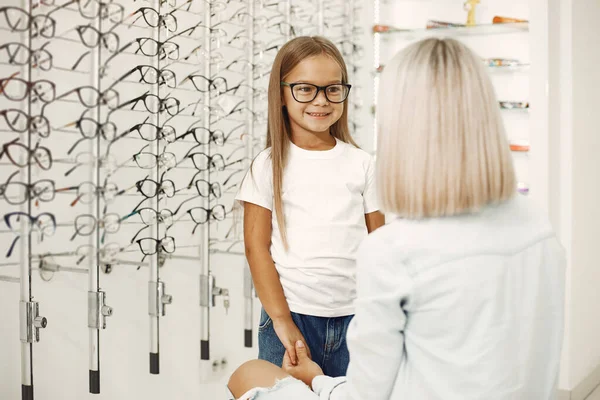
(183,202)
(122,49)
(3,82)
(125,75)
(133,101)
(72,169)
(12,246)
(75,145)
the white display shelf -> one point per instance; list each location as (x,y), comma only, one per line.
(387,31)
(503,47)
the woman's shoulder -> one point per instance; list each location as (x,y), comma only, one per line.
(497,228)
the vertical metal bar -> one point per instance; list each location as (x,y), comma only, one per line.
(288,17)
(249,150)
(153,269)
(320,17)
(349,28)
(205,228)
(25,252)
(93,275)
(250,78)
(248,307)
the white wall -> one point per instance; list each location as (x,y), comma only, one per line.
(584,320)
(574,175)
(559,145)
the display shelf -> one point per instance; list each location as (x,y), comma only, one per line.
(523,188)
(510,68)
(492,68)
(502,108)
(514,106)
(521,146)
(502,44)
(387,31)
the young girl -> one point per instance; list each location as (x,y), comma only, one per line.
(309,200)
(462,296)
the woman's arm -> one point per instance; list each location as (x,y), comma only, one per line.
(376,334)
(257,240)
(375,338)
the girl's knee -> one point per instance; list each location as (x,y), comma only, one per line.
(254,373)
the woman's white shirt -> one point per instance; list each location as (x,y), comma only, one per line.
(462,308)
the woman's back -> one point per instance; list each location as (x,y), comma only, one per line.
(480,297)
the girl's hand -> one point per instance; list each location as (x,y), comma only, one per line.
(288,333)
(306,370)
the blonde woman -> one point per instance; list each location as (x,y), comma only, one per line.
(461,296)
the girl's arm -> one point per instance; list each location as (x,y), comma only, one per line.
(374,220)
(257,240)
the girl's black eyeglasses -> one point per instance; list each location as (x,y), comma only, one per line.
(307,92)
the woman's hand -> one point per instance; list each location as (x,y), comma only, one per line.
(288,333)
(306,369)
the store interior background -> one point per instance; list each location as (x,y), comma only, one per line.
(561,171)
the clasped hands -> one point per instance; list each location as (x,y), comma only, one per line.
(304,369)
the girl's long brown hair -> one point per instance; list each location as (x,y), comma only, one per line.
(278,126)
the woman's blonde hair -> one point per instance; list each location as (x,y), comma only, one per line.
(441,149)
(278,126)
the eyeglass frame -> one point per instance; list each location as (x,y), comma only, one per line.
(31,22)
(97,190)
(32,220)
(158,242)
(32,55)
(319,88)
(30,121)
(160,218)
(97,223)
(31,154)
(29,190)
(31,89)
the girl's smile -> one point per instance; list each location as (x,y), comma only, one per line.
(319,115)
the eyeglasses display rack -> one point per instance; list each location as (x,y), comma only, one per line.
(127,129)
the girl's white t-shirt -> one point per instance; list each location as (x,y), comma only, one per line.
(325,196)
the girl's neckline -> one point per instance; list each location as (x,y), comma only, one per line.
(333,152)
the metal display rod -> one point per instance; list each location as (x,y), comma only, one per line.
(206,280)
(30,320)
(321,17)
(97,308)
(248,285)
(158,298)
(248,306)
